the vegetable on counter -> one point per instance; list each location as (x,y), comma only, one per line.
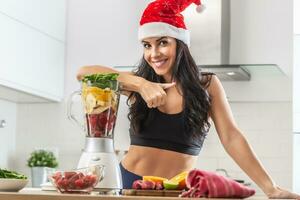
(4,173)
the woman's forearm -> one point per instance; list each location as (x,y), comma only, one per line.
(239,149)
(128,81)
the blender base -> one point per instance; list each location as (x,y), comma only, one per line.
(112,175)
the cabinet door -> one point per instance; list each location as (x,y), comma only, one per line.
(47,16)
(32,47)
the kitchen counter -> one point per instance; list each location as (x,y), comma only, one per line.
(38,194)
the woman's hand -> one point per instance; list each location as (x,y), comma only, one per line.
(154,93)
(279,193)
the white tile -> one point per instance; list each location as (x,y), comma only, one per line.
(205,163)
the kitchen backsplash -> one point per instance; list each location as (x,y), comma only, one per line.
(267,125)
(8,113)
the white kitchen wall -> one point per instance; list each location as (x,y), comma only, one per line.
(95,36)
(267,126)
(8,112)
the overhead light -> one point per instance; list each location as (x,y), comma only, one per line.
(230,73)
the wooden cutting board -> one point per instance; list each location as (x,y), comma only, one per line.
(162,193)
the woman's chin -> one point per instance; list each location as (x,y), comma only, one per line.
(160,72)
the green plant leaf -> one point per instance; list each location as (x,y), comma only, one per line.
(42,158)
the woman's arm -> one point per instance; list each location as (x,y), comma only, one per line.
(129,82)
(153,93)
(237,146)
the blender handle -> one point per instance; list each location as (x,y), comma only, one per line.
(70,115)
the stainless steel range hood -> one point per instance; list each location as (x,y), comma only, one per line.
(210,42)
(228,72)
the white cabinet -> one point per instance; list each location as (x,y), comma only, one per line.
(32,50)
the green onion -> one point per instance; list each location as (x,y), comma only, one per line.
(11,174)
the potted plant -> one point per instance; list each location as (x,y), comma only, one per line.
(41,163)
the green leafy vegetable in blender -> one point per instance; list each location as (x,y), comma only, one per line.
(11,174)
(103,80)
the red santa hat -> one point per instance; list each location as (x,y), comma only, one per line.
(164,18)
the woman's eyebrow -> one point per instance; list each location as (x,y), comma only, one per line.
(161,38)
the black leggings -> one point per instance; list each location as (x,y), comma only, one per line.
(128,177)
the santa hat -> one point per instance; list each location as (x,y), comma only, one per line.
(164,18)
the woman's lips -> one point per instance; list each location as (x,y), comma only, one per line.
(160,63)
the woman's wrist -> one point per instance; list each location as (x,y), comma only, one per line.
(269,188)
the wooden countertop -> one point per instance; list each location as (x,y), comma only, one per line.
(38,194)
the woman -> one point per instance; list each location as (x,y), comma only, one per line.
(171,104)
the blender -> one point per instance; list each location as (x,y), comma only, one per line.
(100,97)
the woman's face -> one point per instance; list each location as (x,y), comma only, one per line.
(160,54)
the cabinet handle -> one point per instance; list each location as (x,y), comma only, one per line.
(2,123)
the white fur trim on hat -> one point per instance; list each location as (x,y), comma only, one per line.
(157,29)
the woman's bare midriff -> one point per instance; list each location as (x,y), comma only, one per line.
(151,161)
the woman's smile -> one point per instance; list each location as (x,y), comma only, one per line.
(159,64)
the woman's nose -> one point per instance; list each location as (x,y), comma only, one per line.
(155,52)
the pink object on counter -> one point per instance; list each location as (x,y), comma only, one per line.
(208,184)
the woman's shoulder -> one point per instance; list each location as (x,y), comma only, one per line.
(206,79)
(212,84)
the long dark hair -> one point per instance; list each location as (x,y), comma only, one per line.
(193,86)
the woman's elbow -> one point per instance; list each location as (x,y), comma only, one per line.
(81,72)
(231,136)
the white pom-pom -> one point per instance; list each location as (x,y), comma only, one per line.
(200,8)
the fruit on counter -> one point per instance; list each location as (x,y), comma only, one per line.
(4,173)
(68,181)
(159,186)
(170,185)
(144,185)
(155,179)
(180,179)
(159,183)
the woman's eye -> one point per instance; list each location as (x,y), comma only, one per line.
(163,42)
(146,46)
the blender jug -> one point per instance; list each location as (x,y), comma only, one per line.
(100,101)
(100,98)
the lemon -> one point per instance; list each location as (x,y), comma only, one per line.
(170,185)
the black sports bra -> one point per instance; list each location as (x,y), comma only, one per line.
(166,131)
